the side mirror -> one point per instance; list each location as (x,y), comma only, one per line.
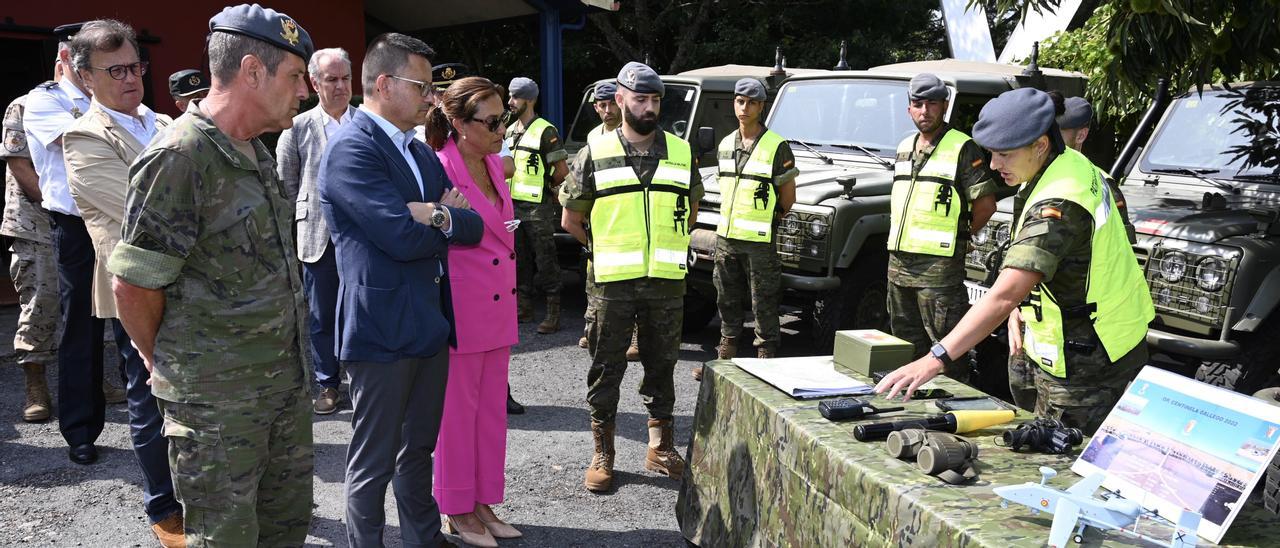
(705,141)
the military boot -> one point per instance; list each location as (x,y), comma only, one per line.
(524,309)
(37,406)
(600,473)
(765,352)
(727,350)
(633,351)
(551,323)
(662,456)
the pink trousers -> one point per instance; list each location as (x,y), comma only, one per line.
(471,452)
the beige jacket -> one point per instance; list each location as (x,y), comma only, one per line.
(98,154)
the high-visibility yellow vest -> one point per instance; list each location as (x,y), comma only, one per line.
(639,230)
(749,198)
(926,207)
(1117,300)
(531,168)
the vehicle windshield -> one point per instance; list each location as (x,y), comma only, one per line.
(842,112)
(677,108)
(1220,133)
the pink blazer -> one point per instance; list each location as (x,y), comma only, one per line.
(483,276)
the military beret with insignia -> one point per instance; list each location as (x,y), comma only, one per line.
(1014,119)
(265,24)
(185,83)
(638,77)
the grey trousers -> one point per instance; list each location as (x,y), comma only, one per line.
(397,409)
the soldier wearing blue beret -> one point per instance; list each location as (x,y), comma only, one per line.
(606,107)
(207,285)
(943,192)
(1066,286)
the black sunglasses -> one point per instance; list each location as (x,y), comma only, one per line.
(118,72)
(492,123)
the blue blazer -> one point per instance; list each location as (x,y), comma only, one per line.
(393,294)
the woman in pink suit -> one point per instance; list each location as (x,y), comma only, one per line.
(466,128)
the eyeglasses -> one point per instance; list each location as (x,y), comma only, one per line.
(492,123)
(424,88)
(117,72)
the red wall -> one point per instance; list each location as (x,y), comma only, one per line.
(181,26)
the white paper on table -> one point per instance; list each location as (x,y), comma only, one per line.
(804,377)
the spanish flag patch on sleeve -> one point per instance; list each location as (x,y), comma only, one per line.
(976,162)
(1050,212)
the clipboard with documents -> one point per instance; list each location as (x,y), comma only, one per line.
(804,377)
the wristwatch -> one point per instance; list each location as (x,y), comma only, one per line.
(437,216)
(940,352)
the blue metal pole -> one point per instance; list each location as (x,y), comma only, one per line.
(550,43)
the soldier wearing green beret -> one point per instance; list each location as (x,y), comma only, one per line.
(1066,287)
(208,287)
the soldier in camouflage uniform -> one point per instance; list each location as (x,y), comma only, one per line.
(926,296)
(32,266)
(541,165)
(757,180)
(1069,270)
(208,287)
(637,270)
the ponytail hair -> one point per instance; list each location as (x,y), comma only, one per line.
(459,102)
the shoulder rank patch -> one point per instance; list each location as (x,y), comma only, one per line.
(1050,212)
(787,164)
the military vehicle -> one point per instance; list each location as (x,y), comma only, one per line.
(844,127)
(1203,192)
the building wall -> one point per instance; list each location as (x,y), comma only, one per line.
(178,28)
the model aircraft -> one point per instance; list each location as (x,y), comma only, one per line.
(1076,509)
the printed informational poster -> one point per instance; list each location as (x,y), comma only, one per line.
(1172,443)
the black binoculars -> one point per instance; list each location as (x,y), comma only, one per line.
(945,455)
(1047,436)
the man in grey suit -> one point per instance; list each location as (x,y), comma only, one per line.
(298,153)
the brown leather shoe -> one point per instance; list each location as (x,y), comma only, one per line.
(662,456)
(326,402)
(599,475)
(169,531)
(37,406)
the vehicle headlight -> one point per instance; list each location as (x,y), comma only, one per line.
(1211,274)
(1202,304)
(981,236)
(815,250)
(1164,297)
(1002,233)
(818,228)
(790,224)
(1173,267)
(788,246)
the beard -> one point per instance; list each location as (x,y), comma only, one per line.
(929,125)
(642,125)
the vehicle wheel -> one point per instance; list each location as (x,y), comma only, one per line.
(859,302)
(1254,369)
(698,312)
(1078,538)
(1271,485)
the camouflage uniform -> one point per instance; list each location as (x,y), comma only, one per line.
(32,266)
(212,229)
(750,273)
(1059,247)
(537,267)
(926,293)
(653,305)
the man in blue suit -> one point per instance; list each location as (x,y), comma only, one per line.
(393,214)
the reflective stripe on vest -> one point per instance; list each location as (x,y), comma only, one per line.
(530,177)
(749,198)
(639,230)
(926,207)
(1117,300)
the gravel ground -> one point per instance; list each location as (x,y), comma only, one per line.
(49,501)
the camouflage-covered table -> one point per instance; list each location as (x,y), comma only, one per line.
(768,470)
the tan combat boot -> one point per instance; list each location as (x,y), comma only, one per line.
(600,473)
(662,456)
(524,309)
(727,350)
(633,351)
(551,323)
(765,352)
(37,406)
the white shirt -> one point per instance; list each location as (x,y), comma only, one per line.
(402,140)
(331,124)
(50,113)
(141,125)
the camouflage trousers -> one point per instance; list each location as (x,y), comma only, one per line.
(922,315)
(659,322)
(243,469)
(35,275)
(1093,387)
(748,274)
(537,267)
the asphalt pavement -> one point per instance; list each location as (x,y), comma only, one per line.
(49,501)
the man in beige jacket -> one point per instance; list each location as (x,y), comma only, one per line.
(98,149)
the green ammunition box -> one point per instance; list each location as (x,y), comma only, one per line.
(867,350)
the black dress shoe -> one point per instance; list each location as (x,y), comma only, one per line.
(84,453)
(513,406)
